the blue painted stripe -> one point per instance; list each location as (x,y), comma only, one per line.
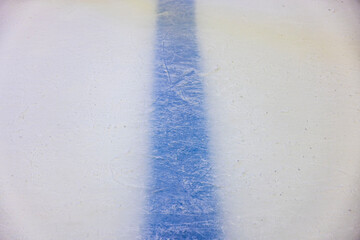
(182,203)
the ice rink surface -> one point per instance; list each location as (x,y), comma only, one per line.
(282,101)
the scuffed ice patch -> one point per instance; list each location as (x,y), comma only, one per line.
(181,201)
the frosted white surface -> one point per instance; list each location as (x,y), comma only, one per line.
(283,90)
(75,80)
(283,94)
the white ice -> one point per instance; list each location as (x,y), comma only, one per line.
(283,95)
(284,99)
(75,80)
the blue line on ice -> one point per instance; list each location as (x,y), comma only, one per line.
(181,199)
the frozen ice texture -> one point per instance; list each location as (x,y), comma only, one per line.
(281,88)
